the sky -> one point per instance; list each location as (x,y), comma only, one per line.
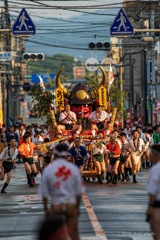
(67,26)
(61,9)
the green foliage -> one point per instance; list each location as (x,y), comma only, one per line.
(117,96)
(92,81)
(43,100)
(115,93)
(53,64)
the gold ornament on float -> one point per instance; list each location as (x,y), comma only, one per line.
(81,94)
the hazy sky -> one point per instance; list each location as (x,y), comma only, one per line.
(65,26)
(59,8)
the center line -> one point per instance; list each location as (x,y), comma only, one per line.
(93,218)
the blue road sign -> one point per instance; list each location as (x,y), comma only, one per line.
(35,78)
(121,25)
(23,25)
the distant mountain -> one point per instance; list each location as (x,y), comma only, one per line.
(70,35)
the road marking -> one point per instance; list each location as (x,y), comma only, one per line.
(100,235)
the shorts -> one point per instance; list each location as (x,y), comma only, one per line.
(98,157)
(100,125)
(114,160)
(8,166)
(79,162)
(28,160)
(156,204)
(123,158)
(68,126)
(47,159)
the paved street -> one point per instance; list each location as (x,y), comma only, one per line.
(117,212)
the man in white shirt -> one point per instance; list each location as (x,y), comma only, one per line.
(61,183)
(141,134)
(136,148)
(98,118)
(68,121)
(153,189)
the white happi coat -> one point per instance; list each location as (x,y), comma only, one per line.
(153,186)
(61,182)
(136,153)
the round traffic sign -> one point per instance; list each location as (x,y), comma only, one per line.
(106,63)
(26,86)
(92,64)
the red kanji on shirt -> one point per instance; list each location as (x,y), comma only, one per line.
(57,185)
(63,173)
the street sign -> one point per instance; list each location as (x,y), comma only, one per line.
(47,78)
(121,25)
(5,56)
(91,64)
(106,61)
(23,24)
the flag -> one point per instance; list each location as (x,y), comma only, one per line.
(42,83)
(132,116)
(111,76)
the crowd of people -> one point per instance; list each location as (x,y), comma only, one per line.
(116,154)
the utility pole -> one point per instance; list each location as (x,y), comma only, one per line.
(154,87)
(131,82)
(7,48)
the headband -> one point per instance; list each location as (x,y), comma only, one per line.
(61,154)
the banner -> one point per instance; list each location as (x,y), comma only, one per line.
(158,111)
(132,116)
(128,117)
(102,92)
(155,113)
(42,83)
(111,77)
(59,99)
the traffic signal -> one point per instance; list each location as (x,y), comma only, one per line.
(33,56)
(99,45)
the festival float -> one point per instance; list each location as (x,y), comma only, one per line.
(83,100)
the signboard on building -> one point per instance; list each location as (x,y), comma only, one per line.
(5,56)
(79,72)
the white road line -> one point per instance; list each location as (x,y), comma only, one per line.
(100,235)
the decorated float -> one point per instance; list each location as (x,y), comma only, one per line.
(83,100)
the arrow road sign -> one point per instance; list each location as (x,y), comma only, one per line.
(23,25)
(121,25)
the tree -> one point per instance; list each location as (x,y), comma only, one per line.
(115,93)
